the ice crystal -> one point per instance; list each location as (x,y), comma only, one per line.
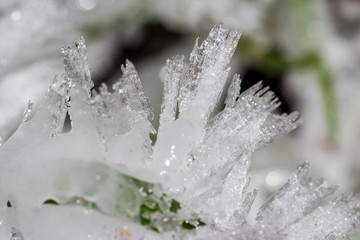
(105,179)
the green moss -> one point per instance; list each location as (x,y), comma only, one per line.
(51,202)
(175,206)
(192,224)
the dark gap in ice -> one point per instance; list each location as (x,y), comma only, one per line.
(253,74)
(155,38)
(67,124)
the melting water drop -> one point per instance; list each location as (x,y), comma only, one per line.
(172,158)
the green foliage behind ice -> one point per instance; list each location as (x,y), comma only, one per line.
(113,193)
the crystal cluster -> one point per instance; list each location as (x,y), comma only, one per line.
(106,179)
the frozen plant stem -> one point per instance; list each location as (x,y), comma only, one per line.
(104,179)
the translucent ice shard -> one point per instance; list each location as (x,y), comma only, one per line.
(207,73)
(131,93)
(234,189)
(50,115)
(77,75)
(125,108)
(233,91)
(242,126)
(337,219)
(201,85)
(57,99)
(297,198)
(172,81)
(122,119)
(77,66)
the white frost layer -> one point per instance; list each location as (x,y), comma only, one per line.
(71,223)
(201,162)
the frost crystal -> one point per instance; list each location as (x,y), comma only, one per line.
(104,179)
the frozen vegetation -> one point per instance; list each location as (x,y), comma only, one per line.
(108,179)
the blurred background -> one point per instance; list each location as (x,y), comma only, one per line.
(308,52)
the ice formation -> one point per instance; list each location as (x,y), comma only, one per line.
(106,179)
